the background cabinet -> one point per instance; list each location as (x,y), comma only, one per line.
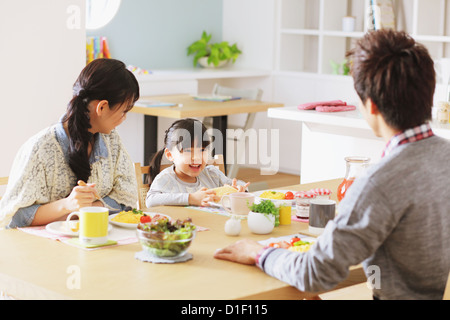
(310,31)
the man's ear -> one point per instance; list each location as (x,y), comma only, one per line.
(372,108)
(168,154)
(100,108)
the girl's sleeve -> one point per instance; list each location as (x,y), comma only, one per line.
(165,192)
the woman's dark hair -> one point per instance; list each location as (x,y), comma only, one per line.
(397,74)
(102,79)
(182,134)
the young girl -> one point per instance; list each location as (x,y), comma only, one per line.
(80,161)
(189,180)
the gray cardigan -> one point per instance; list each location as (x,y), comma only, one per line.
(395,220)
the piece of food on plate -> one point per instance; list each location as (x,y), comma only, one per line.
(135,216)
(273,195)
(131,216)
(221,191)
(295,244)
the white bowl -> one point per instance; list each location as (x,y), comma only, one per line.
(259,223)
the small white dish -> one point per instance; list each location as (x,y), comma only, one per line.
(134,225)
(61,228)
(260,223)
(214,204)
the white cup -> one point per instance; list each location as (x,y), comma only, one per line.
(348,24)
(442,67)
(238,203)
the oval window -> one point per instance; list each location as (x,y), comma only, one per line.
(100,12)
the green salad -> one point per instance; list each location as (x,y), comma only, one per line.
(164,238)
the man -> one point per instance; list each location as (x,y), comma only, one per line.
(395,218)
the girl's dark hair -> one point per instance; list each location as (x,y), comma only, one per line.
(102,79)
(182,134)
(397,74)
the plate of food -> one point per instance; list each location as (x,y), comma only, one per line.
(278,197)
(130,219)
(296,243)
(63,228)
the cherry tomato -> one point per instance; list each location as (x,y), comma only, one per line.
(289,195)
(145,218)
(294,240)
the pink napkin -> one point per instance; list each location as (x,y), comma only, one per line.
(295,218)
(335,109)
(327,106)
(313,105)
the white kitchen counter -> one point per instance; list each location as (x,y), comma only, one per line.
(329,137)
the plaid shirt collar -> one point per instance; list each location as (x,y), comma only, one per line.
(410,135)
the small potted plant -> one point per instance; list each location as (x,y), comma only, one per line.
(263,217)
(212,54)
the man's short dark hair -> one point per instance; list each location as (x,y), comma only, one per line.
(397,74)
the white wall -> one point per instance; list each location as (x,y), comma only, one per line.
(42,51)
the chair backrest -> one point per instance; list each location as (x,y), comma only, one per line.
(3,182)
(447,289)
(251,94)
(141,171)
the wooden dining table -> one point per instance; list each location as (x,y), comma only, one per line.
(33,267)
(186,106)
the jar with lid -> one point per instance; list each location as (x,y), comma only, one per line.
(322,193)
(302,200)
(354,167)
(443,112)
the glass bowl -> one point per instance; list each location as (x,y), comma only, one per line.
(165,244)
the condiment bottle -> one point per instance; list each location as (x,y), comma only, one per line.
(302,200)
(322,193)
(285,214)
(354,166)
(443,112)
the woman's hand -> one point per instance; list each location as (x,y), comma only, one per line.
(83,195)
(239,188)
(80,196)
(201,197)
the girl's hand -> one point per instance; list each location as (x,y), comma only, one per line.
(239,188)
(201,197)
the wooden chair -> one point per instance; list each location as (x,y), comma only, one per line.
(3,182)
(251,94)
(447,289)
(142,171)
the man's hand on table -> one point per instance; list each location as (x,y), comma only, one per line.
(243,251)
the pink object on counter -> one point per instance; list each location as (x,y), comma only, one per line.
(313,105)
(335,108)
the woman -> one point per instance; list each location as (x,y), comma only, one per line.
(80,161)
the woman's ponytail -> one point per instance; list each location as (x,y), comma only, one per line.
(78,124)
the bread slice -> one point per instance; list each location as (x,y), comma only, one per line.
(221,191)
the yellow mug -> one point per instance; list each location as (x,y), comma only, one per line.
(93,225)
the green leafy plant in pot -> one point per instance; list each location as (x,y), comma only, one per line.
(263,217)
(215,54)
